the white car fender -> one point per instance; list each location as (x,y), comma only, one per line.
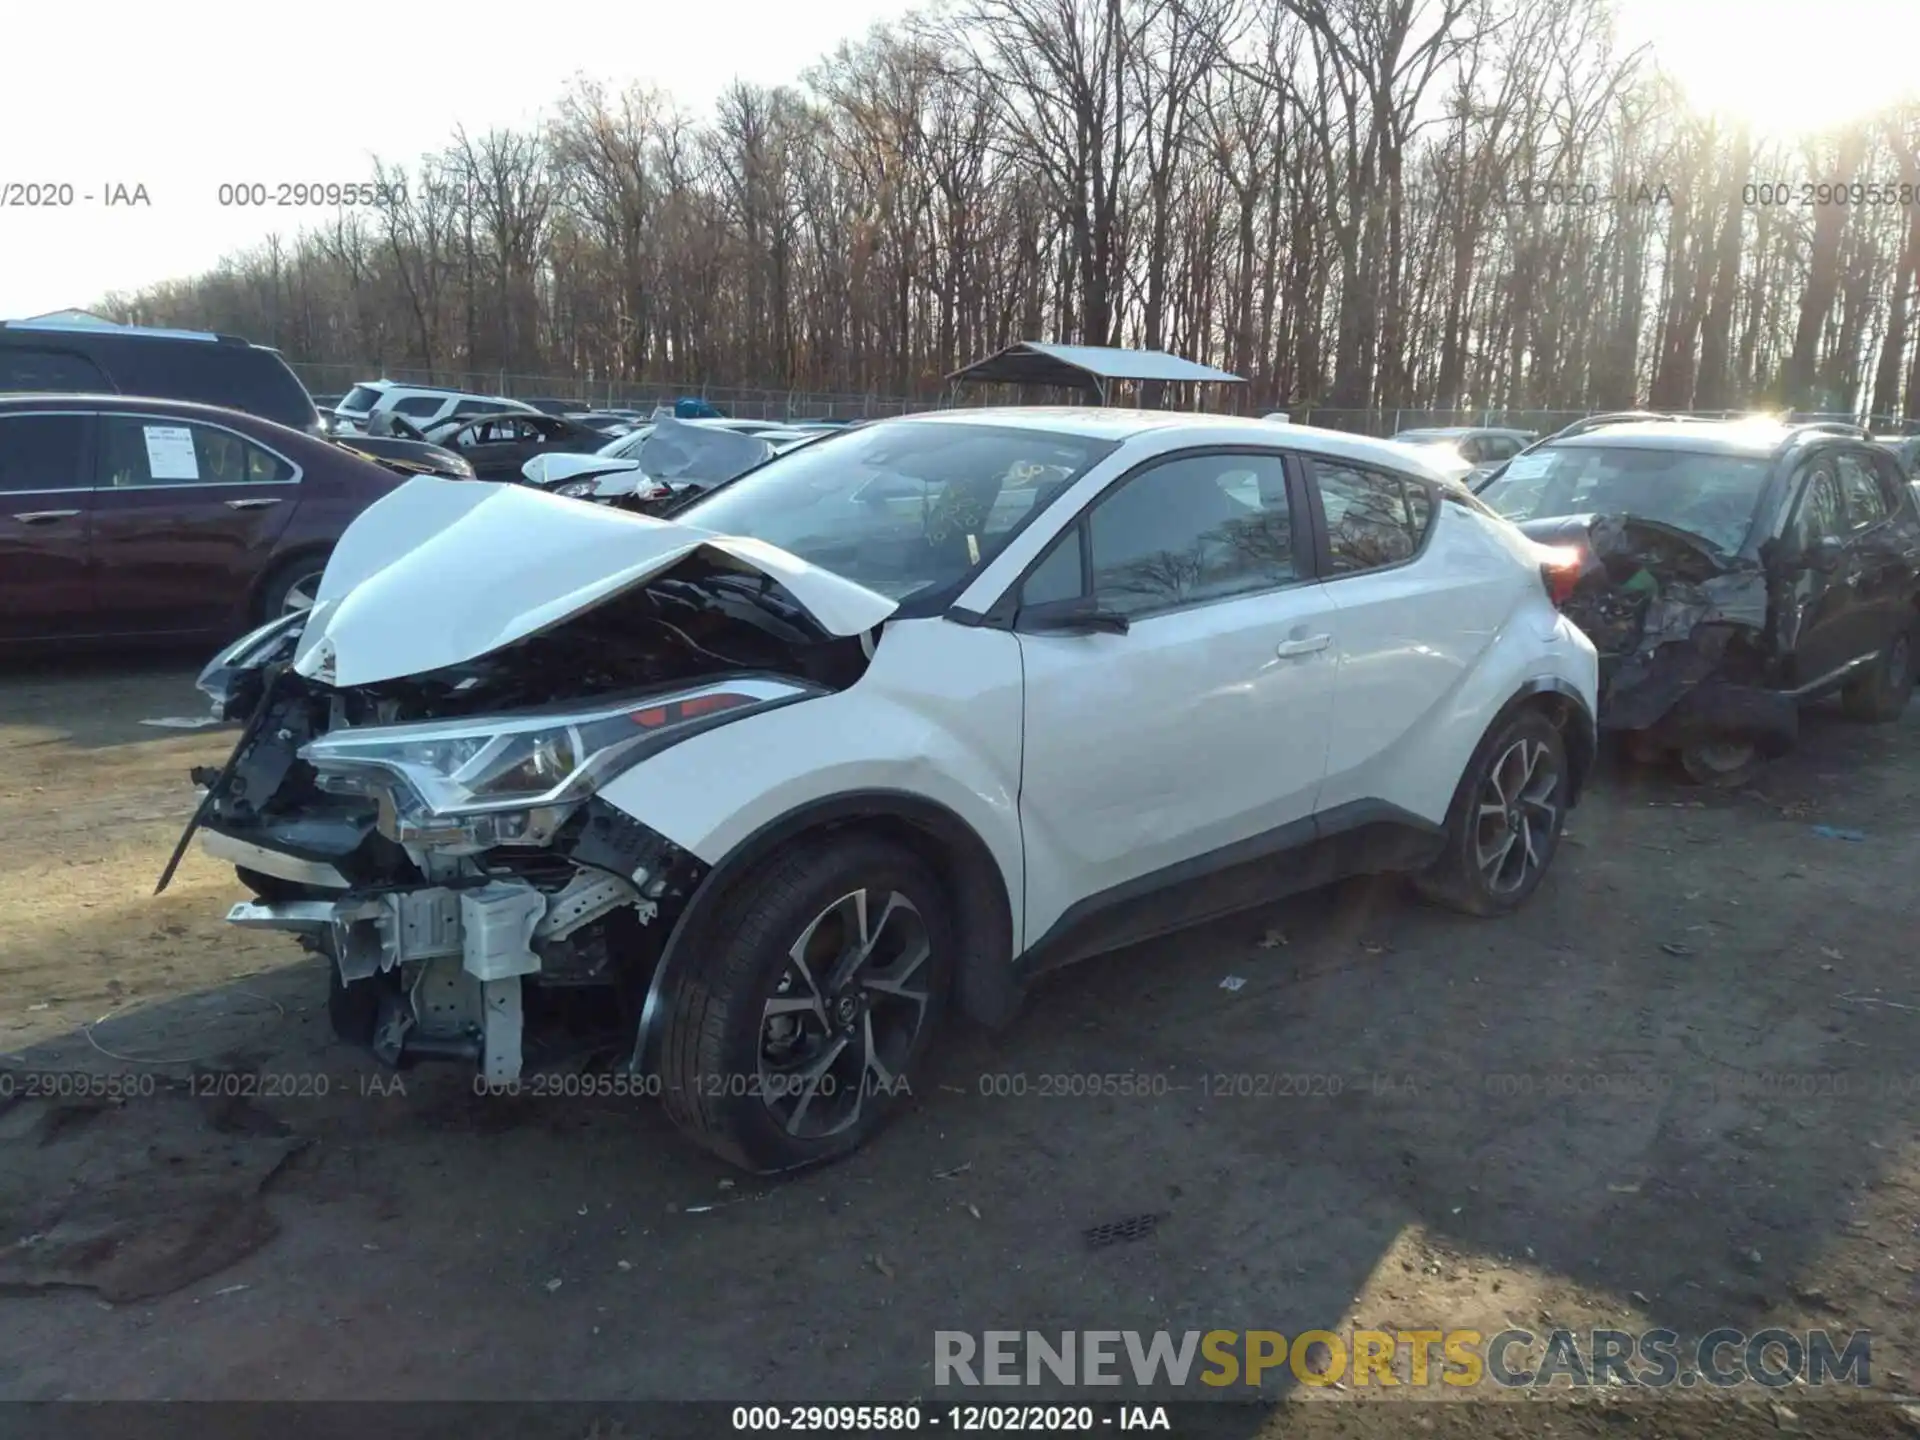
(936,717)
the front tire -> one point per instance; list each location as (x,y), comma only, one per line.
(802,1020)
(1881,695)
(1508,815)
(293,586)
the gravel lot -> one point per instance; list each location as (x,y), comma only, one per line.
(1680,1089)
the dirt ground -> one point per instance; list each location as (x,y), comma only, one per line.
(1680,1089)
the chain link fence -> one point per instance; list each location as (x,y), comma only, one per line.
(774,403)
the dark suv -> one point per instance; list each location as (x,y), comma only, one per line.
(97,357)
(1728,572)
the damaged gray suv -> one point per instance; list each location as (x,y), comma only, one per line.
(1728,572)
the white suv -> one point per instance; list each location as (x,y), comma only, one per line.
(419,405)
(759,791)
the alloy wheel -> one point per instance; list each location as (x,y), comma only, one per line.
(301,594)
(847,1007)
(1515,816)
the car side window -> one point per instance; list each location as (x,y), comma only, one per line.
(28,371)
(1373,519)
(415,406)
(139,452)
(1866,502)
(1823,514)
(42,452)
(1193,528)
(1059,576)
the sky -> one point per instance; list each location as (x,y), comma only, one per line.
(183,97)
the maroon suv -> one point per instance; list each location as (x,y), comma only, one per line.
(121,516)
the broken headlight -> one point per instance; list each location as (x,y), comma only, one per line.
(511,778)
(231,680)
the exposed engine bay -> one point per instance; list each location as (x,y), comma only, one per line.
(437,837)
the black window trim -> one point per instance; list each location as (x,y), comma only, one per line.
(1800,483)
(1004,613)
(299,473)
(1323,539)
(1889,502)
(87,469)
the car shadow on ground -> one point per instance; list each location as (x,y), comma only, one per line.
(1675,1090)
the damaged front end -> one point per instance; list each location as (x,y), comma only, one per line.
(1687,642)
(438,834)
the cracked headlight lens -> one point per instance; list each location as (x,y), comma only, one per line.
(515,762)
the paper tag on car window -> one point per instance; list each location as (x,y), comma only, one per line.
(1527,467)
(170,454)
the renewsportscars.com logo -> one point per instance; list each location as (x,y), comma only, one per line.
(1511,1359)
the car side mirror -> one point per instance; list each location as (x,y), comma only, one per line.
(1081,616)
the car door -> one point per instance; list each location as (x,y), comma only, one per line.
(1415,604)
(1880,558)
(1819,606)
(46,507)
(186,514)
(1196,738)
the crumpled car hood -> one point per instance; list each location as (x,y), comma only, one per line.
(439,572)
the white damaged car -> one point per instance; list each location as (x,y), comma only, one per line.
(756,795)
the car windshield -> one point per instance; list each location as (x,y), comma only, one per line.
(1711,496)
(901,507)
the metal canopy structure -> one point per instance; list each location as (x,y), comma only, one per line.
(1083,367)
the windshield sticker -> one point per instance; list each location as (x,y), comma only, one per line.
(1528,467)
(170,453)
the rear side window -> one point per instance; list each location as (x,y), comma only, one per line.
(417,405)
(30,371)
(1823,515)
(139,452)
(42,452)
(360,399)
(240,377)
(1373,519)
(1866,502)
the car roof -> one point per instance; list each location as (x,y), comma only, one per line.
(96,328)
(1191,427)
(1756,438)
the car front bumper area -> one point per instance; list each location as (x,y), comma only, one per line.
(437,971)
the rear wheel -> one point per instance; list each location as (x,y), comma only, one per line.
(802,1021)
(1882,693)
(1508,817)
(1722,764)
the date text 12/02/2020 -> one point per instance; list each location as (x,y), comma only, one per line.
(870,1420)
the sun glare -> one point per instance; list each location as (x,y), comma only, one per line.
(1785,68)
